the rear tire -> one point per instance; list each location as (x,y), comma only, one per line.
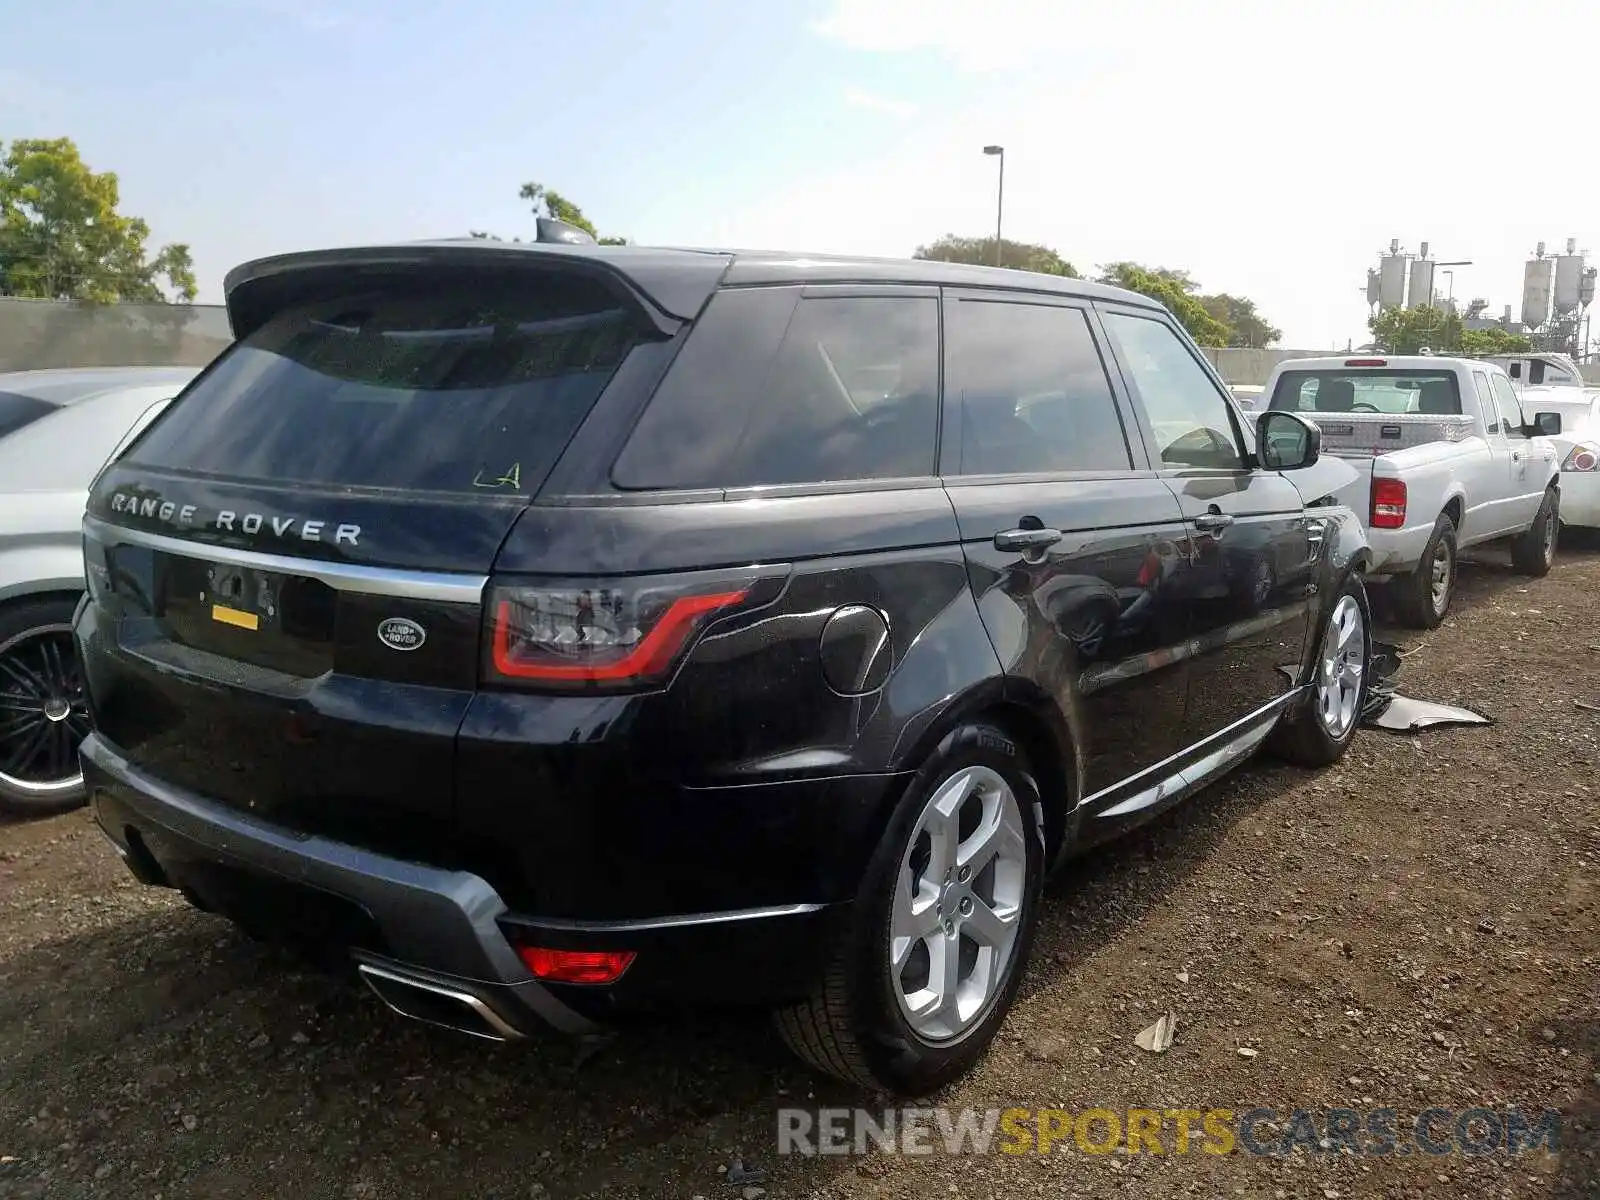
(1322,731)
(1533,551)
(924,976)
(43,717)
(1421,599)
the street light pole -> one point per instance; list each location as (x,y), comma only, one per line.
(1000,198)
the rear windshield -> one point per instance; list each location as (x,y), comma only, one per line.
(1396,391)
(435,384)
(17,410)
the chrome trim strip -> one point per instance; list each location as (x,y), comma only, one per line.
(692,919)
(503,1032)
(1163,772)
(445,587)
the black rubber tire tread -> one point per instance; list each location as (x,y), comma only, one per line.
(1304,741)
(20,615)
(1527,548)
(824,1030)
(1411,595)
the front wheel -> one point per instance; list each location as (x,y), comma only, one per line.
(1533,551)
(1322,731)
(941,930)
(43,714)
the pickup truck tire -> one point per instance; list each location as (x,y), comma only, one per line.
(874,1023)
(1320,733)
(1421,599)
(1533,551)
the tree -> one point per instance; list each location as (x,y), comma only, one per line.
(1246,326)
(979,251)
(1408,330)
(1173,289)
(1479,343)
(62,238)
(547,202)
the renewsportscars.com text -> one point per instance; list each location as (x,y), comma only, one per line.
(1257,1131)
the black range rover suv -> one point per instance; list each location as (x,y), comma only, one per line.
(565,631)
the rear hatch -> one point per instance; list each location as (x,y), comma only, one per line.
(287,567)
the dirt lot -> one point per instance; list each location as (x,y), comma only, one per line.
(1419,927)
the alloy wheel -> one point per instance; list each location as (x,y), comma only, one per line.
(43,714)
(958,904)
(1343,664)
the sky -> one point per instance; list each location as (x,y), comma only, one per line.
(1271,149)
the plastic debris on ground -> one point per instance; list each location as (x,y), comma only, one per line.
(1388,710)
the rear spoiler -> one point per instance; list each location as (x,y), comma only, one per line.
(669,286)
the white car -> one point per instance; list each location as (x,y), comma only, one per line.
(57,428)
(1551,383)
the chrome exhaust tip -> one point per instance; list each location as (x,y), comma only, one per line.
(437,1004)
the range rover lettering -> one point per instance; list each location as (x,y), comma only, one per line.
(772,625)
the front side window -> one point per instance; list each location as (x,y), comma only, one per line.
(1192,424)
(1491,418)
(1034,395)
(1510,407)
(775,388)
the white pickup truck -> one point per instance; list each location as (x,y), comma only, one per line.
(1446,459)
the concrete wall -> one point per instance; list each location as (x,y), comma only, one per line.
(1253,366)
(44,333)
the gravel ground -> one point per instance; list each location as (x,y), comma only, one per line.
(1417,927)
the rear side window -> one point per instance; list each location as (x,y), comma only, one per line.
(774,387)
(17,410)
(436,383)
(1034,393)
(1393,391)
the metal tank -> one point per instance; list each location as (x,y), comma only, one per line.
(1538,277)
(1568,296)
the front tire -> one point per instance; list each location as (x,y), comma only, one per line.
(1533,551)
(941,930)
(1421,599)
(43,714)
(1322,731)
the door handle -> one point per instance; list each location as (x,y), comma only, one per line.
(1516,456)
(1026,539)
(1212,522)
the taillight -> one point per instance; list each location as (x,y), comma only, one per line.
(1388,504)
(1582,458)
(575,966)
(606,634)
(1366,362)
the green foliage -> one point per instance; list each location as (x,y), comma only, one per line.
(62,238)
(1175,290)
(1019,256)
(547,202)
(1480,343)
(1409,330)
(1246,326)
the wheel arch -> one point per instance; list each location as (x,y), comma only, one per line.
(1024,712)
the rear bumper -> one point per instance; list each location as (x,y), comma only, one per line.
(439,929)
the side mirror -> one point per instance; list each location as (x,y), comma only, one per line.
(1547,424)
(1286,441)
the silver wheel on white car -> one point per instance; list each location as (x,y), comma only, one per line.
(958,905)
(1342,668)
